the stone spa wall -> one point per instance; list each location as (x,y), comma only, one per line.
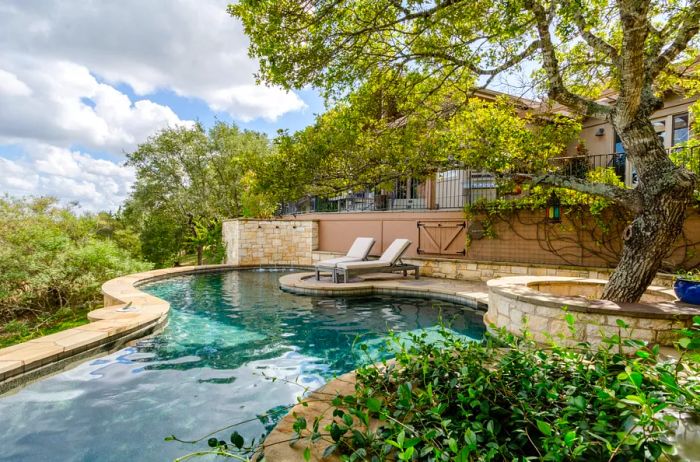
(269,242)
(540,304)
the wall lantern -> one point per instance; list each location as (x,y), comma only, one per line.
(600,131)
(553,209)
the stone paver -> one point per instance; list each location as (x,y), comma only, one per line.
(276,446)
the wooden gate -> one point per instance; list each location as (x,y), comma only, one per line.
(442,237)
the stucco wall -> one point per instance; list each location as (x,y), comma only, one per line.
(269,242)
(605,143)
(525,241)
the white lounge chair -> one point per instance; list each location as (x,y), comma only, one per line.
(389,262)
(358,252)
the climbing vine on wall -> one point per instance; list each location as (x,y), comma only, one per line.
(591,229)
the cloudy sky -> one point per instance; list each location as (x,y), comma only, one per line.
(83,82)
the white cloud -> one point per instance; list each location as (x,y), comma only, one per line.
(192,47)
(97,184)
(61,64)
(62,103)
(12,86)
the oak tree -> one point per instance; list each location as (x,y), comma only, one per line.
(580,48)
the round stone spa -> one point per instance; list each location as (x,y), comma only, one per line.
(228,333)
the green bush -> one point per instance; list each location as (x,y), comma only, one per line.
(53,259)
(508,399)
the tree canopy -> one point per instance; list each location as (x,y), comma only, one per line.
(633,49)
(187,181)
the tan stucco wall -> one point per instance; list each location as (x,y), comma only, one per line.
(525,242)
(605,144)
(269,242)
(337,231)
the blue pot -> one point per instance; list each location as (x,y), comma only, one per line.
(687,291)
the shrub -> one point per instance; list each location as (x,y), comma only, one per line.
(505,398)
(508,399)
(50,259)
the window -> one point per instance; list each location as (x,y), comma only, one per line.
(660,127)
(416,189)
(680,128)
(618,144)
(401,191)
(618,161)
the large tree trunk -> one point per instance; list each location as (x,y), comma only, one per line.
(665,191)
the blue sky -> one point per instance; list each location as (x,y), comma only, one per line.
(83,83)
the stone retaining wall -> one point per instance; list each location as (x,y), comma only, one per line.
(484,271)
(269,242)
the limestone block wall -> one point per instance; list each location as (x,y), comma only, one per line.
(484,271)
(269,242)
(516,306)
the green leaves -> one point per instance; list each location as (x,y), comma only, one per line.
(188,180)
(373,404)
(237,440)
(544,427)
(54,261)
(508,399)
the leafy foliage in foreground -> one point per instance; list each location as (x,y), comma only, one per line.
(53,262)
(507,399)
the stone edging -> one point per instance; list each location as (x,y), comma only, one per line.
(461,292)
(515,305)
(276,446)
(128,314)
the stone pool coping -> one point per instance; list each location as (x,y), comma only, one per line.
(518,288)
(276,445)
(518,304)
(128,314)
(470,293)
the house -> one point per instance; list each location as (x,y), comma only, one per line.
(430,212)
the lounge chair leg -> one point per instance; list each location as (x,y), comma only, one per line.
(318,275)
(405,273)
(416,273)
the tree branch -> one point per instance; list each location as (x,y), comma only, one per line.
(627,198)
(512,61)
(689,28)
(557,90)
(593,41)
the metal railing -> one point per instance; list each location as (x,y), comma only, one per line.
(450,189)
(580,166)
(459,187)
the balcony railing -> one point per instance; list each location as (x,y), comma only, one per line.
(457,188)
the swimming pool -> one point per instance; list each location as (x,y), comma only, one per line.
(205,370)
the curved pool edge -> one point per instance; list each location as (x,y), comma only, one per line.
(468,293)
(128,314)
(276,445)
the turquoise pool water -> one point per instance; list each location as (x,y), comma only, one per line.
(205,370)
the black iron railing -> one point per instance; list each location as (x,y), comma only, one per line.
(458,187)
